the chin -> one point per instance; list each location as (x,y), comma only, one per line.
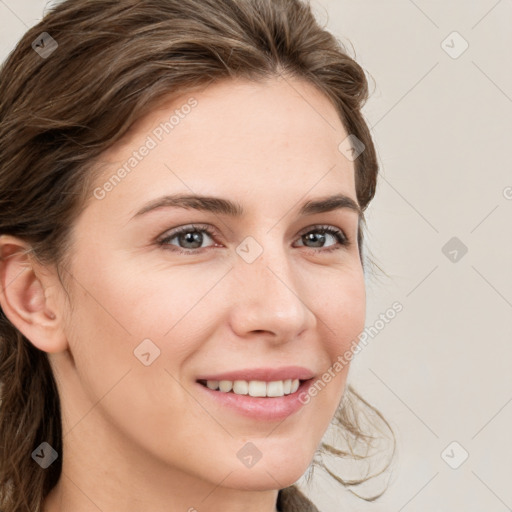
(274,474)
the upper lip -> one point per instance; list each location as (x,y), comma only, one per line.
(264,374)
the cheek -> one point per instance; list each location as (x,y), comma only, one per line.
(118,305)
(126,296)
(115,310)
(343,310)
(346,314)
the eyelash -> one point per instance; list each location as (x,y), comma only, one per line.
(343,240)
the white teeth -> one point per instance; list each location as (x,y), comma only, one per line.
(256,388)
(241,387)
(275,388)
(225,385)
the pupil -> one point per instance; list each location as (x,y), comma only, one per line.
(319,239)
(193,237)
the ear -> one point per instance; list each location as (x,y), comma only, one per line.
(28,296)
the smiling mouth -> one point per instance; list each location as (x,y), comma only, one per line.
(255,388)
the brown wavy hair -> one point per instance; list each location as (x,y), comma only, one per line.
(114,61)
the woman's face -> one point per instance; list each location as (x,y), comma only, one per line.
(153,311)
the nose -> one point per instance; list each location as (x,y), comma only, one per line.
(269,298)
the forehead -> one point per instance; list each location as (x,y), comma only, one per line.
(237,136)
(238,107)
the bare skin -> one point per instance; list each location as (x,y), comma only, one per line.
(142,437)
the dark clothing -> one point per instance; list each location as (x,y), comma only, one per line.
(291,499)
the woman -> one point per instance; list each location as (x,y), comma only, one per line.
(182,188)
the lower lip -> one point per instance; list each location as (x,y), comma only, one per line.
(260,408)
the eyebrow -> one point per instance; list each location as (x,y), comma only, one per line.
(233,209)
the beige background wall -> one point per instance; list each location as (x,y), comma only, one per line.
(441,118)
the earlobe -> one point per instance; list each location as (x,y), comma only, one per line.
(23,296)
